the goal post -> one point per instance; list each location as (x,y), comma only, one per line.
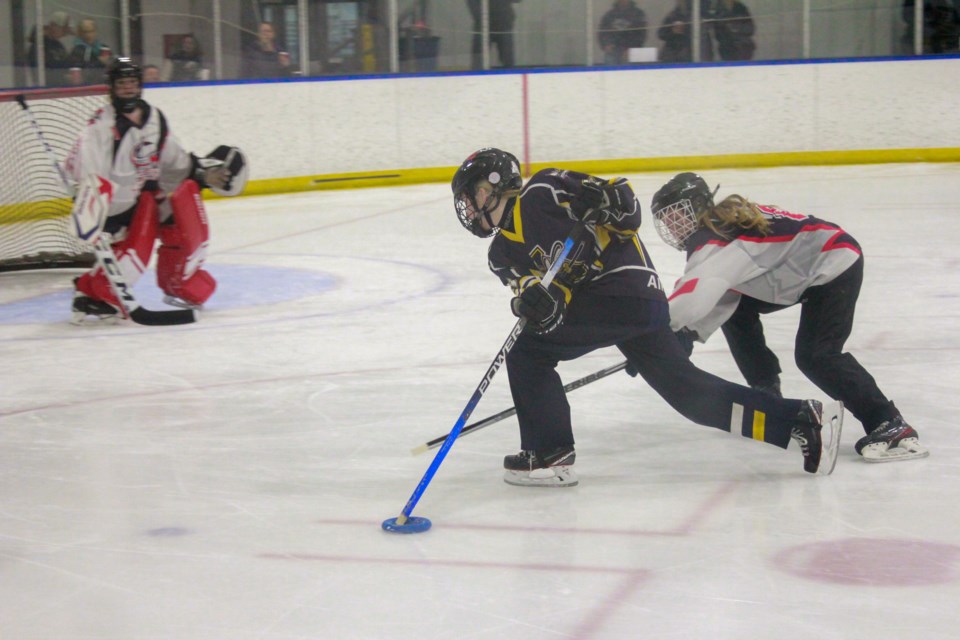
(34,206)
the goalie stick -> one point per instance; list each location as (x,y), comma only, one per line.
(108,261)
(404,523)
(506,413)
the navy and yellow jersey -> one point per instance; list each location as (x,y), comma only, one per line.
(609,260)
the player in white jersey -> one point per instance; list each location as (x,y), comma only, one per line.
(745,259)
(150,188)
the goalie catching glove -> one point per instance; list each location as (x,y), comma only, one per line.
(224,171)
(542,308)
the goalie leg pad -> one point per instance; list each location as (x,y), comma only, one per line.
(133,253)
(184,248)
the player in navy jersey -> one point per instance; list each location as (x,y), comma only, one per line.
(745,259)
(607,294)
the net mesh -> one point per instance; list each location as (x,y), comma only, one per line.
(34,204)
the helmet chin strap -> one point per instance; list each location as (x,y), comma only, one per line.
(127,105)
(504,215)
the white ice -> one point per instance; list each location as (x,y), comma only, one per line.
(227,480)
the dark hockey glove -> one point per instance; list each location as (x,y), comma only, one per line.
(603,198)
(686,337)
(543,309)
(589,201)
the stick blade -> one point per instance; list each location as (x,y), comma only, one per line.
(163,318)
(423,448)
(412,525)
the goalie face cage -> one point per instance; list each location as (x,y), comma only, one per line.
(34,205)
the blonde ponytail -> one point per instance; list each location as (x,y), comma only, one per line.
(733,212)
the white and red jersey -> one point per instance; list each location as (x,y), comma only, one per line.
(799,252)
(113,147)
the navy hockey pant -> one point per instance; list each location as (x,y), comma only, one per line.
(640,329)
(826,320)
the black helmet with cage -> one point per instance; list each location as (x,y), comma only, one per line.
(498,169)
(677,207)
(124,68)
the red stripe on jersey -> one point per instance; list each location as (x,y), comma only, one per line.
(687,287)
(832,243)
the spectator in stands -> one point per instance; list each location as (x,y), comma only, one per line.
(677,34)
(151,74)
(186,63)
(622,28)
(89,53)
(733,28)
(941,26)
(56,60)
(501,31)
(263,59)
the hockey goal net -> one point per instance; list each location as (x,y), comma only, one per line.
(34,205)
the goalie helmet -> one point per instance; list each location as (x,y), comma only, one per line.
(677,208)
(501,170)
(124,68)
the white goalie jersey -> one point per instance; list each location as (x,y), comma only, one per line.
(129,156)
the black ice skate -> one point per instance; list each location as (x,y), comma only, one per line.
(541,469)
(84,307)
(892,440)
(819,456)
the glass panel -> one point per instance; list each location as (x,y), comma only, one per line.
(79,38)
(175,39)
(353,36)
(854,28)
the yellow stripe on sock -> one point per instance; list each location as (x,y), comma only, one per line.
(759,425)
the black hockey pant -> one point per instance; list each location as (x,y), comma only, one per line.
(640,329)
(826,320)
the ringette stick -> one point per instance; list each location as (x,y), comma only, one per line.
(400,523)
(506,413)
(104,253)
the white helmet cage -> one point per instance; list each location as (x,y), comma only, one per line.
(677,205)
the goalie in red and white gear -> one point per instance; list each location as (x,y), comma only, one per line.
(138,184)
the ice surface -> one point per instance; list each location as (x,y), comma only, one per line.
(227,480)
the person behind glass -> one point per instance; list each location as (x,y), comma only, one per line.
(151,74)
(733,28)
(262,58)
(623,27)
(745,259)
(89,53)
(677,34)
(607,293)
(502,18)
(185,64)
(941,26)
(56,59)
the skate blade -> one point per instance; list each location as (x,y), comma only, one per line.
(82,319)
(832,422)
(183,304)
(559,476)
(906,449)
